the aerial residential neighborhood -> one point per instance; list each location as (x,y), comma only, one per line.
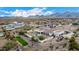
(39,30)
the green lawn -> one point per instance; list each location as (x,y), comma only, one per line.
(19,39)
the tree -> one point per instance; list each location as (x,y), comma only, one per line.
(73,44)
(77,29)
(75,23)
(72,39)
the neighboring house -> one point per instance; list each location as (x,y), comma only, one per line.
(9,27)
(14,25)
(1,34)
(18,24)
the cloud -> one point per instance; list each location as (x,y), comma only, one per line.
(33,12)
(27,13)
(17,13)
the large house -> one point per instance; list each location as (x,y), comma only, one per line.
(45,31)
(65,34)
(56,33)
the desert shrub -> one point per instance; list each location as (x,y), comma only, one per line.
(33,39)
(21,33)
(8,46)
(41,37)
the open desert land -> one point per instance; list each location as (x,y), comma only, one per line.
(39,34)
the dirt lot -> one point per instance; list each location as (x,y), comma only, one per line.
(2,42)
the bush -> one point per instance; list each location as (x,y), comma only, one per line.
(27,28)
(75,23)
(21,33)
(41,37)
(33,39)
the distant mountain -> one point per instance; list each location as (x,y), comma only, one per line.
(66,15)
(59,15)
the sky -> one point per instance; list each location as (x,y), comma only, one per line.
(33,11)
